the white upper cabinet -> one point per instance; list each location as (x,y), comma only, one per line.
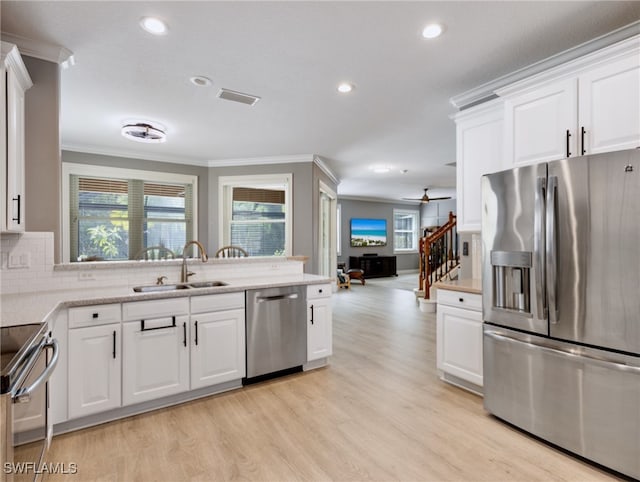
(14,82)
(609,106)
(540,125)
(479,151)
(588,106)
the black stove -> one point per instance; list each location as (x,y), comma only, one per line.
(15,344)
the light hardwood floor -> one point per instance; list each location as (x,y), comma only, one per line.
(378,412)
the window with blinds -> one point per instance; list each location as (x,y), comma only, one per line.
(258,220)
(405,230)
(116,219)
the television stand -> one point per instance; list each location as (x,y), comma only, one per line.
(374,266)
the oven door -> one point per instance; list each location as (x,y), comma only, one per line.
(29,407)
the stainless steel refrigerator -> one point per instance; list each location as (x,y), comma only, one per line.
(561,303)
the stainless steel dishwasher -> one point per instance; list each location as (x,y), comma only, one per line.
(276,329)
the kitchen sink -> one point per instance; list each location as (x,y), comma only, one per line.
(206,284)
(154,288)
(178,286)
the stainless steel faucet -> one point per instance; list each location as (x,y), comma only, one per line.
(184,274)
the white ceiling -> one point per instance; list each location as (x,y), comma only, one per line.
(293,55)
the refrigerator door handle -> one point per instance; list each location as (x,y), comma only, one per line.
(538,246)
(548,349)
(551,248)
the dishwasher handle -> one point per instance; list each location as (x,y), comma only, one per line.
(262,299)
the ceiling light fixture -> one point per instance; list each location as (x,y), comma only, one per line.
(345,87)
(381,169)
(201,81)
(153,25)
(143,132)
(432,30)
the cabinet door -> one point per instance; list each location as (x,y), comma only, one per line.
(479,151)
(459,343)
(15,153)
(155,361)
(319,329)
(537,122)
(94,369)
(217,348)
(609,104)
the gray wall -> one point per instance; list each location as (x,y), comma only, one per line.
(145,165)
(378,210)
(436,213)
(42,150)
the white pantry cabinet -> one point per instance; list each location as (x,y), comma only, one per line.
(592,106)
(479,151)
(459,338)
(319,322)
(155,349)
(95,362)
(14,82)
(217,339)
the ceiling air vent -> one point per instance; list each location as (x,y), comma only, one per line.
(234,96)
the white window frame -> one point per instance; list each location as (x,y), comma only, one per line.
(71,168)
(263,181)
(416,229)
(339,229)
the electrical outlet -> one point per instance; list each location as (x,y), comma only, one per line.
(19,260)
(86,276)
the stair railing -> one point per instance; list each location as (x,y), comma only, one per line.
(438,254)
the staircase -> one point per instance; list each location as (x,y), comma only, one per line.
(439,257)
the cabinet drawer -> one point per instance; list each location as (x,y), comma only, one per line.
(94,315)
(318,291)
(221,302)
(460,299)
(140,310)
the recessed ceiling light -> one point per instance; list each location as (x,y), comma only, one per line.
(432,30)
(345,87)
(200,81)
(381,169)
(153,25)
(144,132)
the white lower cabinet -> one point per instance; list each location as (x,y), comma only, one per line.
(459,337)
(319,322)
(217,352)
(95,363)
(155,358)
(217,339)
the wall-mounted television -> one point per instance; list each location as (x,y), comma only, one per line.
(368,232)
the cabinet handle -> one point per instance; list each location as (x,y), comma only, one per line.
(184,331)
(95,315)
(18,199)
(196,326)
(461,300)
(114,344)
(172,325)
(582,133)
(312,314)
(568,137)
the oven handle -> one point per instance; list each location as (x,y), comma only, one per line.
(24,394)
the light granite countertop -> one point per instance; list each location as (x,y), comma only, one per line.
(55,300)
(465,285)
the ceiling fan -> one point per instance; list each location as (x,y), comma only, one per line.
(425,198)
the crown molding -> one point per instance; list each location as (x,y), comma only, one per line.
(41,50)
(132,155)
(318,161)
(11,57)
(379,200)
(487,90)
(252,161)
